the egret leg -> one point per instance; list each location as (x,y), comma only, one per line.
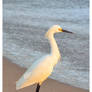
(38,87)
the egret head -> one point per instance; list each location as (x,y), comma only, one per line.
(56,29)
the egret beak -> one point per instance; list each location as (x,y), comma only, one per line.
(67,31)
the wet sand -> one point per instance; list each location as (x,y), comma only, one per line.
(12,72)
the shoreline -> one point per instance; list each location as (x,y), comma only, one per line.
(12,72)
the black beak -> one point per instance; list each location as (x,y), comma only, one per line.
(67,31)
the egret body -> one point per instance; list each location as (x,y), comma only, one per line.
(42,68)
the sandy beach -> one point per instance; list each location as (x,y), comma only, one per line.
(12,72)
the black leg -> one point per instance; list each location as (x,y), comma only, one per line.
(38,87)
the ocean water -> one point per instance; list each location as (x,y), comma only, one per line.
(25,24)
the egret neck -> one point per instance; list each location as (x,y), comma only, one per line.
(54,48)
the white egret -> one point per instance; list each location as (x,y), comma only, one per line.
(42,68)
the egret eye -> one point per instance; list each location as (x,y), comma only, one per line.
(60,29)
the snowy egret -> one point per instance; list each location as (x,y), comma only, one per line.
(42,68)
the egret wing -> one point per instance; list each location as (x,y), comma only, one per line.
(36,73)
